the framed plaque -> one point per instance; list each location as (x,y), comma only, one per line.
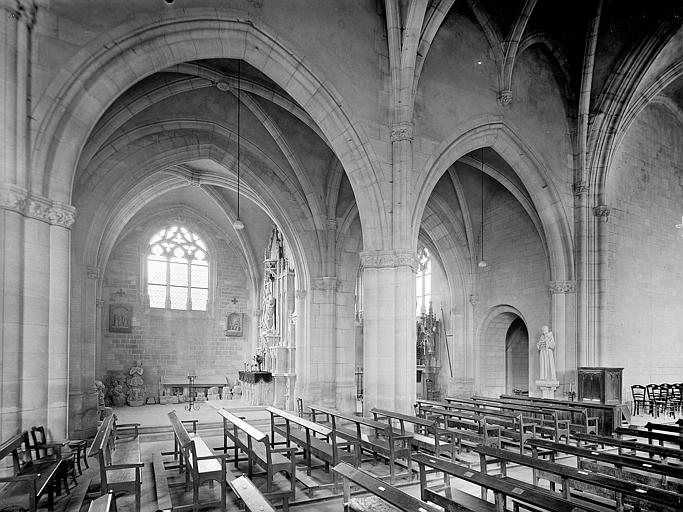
(233,324)
(120,317)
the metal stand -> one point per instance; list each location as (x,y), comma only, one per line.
(192,404)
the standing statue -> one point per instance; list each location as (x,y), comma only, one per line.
(135,385)
(268,318)
(546,347)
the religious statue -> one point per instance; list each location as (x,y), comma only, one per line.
(135,384)
(268,317)
(546,347)
(117,397)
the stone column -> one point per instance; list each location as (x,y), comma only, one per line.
(322,342)
(12,206)
(389,329)
(602,213)
(563,303)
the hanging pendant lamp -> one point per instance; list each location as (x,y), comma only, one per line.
(482,262)
(238,224)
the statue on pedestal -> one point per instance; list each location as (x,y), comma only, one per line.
(546,347)
(135,384)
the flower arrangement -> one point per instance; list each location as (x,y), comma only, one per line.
(258,358)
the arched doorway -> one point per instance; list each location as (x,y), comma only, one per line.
(517,358)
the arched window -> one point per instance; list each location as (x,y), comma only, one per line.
(423,281)
(177,270)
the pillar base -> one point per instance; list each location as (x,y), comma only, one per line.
(548,387)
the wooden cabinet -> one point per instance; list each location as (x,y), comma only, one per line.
(600,384)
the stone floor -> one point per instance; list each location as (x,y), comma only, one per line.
(156,437)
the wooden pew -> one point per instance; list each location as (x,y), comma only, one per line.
(250,496)
(650,435)
(548,423)
(580,420)
(662,427)
(105,503)
(315,439)
(503,488)
(380,490)
(515,429)
(257,448)
(119,460)
(633,446)
(567,474)
(370,435)
(200,465)
(434,439)
(29,477)
(620,462)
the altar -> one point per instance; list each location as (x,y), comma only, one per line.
(257,387)
(176,388)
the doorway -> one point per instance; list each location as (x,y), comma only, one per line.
(517,358)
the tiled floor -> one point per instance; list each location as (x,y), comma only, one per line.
(156,437)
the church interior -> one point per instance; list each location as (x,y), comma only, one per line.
(341,255)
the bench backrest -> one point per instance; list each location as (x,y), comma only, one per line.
(102,436)
(242,425)
(13,446)
(379,414)
(179,430)
(315,427)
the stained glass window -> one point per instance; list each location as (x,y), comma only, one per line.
(177,270)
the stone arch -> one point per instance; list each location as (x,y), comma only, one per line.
(490,348)
(495,133)
(110,64)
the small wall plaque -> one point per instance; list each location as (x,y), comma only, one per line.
(120,318)
(234,323)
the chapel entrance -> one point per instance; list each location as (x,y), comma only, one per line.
(517,358)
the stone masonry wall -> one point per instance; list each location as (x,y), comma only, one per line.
(645,326)
(171,342)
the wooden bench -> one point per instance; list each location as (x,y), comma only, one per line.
(664,452)
(250,496)
(620,462)
(514,429)
(29,477)
(370,435)
(105,503)
(199,464)
(314,439)
(547,422)
(119,460)
(258,450)
(427,434)
(580,420)
(503,488)
(651,435)
(569,475)
(380,490)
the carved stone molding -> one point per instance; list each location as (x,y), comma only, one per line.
(562,287)
(581,188)
(12,198)
(19,200)
(389,259)
(474,299)
(505,97)
(401,131)
(326,284)
(24,10)
(602,212)
(92,273)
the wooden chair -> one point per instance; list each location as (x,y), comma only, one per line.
(54,451)
(640,399)
(658,397)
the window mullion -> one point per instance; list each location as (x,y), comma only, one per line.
(168,284)
(189,286)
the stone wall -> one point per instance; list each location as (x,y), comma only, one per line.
(171,342)
(645,289)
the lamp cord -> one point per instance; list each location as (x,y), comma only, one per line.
(239,105)
(482,204)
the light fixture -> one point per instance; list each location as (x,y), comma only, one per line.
(482,262)
(238,224)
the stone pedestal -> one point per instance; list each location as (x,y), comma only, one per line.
(548,387)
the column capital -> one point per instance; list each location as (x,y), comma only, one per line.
(602,212)
(19,200)
(557,287)
(581,188)
(388,259)
(474,299)
(300,294)
(24,10)
(401,131)
(331,223)
(505,97)
(92,272)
